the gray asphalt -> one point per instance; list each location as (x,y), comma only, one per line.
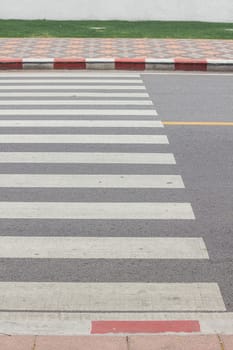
(204,158)
(192,97)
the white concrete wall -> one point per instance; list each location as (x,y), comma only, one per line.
(199,10)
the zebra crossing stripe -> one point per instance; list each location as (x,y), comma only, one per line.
(91,181)
(87,157)
(75,94)
(94,308)
(97,210)
(69,74)
(102,248)
(77,102)
(55,80)
(70,87)
(81,123)
(82,112)
(84,138)
(110,297)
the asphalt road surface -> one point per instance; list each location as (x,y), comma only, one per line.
(106,213)
(204,155)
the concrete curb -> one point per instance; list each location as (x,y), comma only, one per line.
(154,342)
(138,64)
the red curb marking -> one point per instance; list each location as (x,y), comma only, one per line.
(190,64)
(11,63)
(69,63)
(103,327)
(130,63)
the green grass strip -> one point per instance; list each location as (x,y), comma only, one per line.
(114,29)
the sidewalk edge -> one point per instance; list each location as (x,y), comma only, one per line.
(106,63)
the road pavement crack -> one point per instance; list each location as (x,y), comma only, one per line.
(128,342)
(221,343)
(34,343)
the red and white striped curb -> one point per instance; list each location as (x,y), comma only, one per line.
(139,64)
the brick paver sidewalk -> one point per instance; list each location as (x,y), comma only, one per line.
(203,342)
(96,48)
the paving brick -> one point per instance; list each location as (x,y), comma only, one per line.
(16,342)
(227,342)
(174,343)
(80,343)
(116,47)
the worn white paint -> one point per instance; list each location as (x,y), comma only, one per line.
(87,157)
(71,81)
(90,181)
(43,87)
(84,138)
(103,248)
(96,210)
(68,74)
(73,102)
(75,94)
(110,296)
(198,10)
(82,112)
(81,123)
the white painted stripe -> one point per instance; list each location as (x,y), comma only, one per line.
(87,157)
(110,296)
(102,248)
(82,138)
(71,81)
(38,60)
(91,181)
(75,94)
(77,102)
(82,123)
(71,323)
(219,62)
(68,74)
(100,60)
(105,211)
(159,60)
(83,112)
(72,87)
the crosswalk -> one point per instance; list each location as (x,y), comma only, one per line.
(110,297)
(106,144)
(103,248)
(91,181)
(87,138)
(24,123)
